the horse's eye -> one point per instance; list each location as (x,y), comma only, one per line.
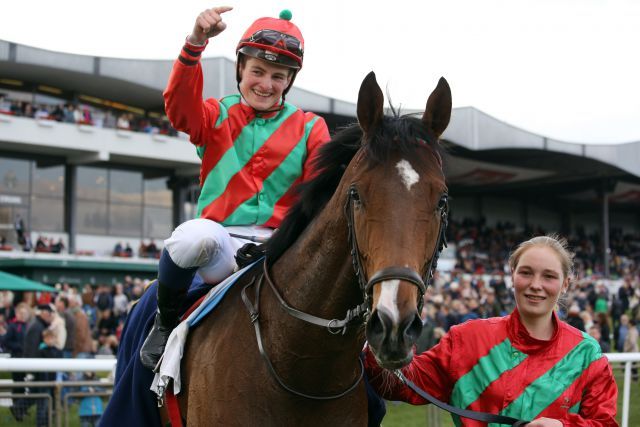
(443,202)
(355,196)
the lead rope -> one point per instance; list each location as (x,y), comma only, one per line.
(466,413)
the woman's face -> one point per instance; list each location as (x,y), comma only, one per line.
(538,281)
(263,83)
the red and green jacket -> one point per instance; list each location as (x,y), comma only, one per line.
(494,365)
(250,161)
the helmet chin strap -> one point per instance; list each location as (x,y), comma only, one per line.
(270,110)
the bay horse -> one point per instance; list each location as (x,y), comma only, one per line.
(376,204)
(358,247)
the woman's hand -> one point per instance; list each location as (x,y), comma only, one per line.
(545,422)
(208,24)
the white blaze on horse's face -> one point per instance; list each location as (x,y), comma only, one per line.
(408,175)
(388,300)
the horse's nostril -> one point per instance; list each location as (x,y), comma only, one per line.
(413,329)
(376,326)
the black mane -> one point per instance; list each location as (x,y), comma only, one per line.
(397,133)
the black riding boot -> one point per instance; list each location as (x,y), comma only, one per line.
(169,303)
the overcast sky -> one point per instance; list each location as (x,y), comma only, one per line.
(566,69)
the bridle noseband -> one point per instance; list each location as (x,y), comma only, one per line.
(394,272)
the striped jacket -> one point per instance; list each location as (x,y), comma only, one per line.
(494,365)
(250,162)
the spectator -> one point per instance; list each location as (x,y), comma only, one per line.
(46,349)
(13,341)
(120,302)
(574,319)
(107,324)
(82,343)
(69,116)
(58,113)
(605,329)
(103,299)
(42,113)
(128,251)
(90,408)
(62,307)
(623,331)
(6,304)
(20,230)
(123,122)
(59,326)
(57,247)
(631,345)
(32,340)
(594,331)
(118,249)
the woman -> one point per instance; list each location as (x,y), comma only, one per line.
(255,148)
(528,365)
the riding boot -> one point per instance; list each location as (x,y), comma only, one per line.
(169,303)
(170,300)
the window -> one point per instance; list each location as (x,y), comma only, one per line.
(156,193)
(158,222)
(91,217)
(125,187)
(47,214)
(48,181)
(91,183)
(14,176)
(125,220)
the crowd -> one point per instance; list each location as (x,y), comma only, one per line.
(72,323)
(85,115)
(145,250)
(87,321)
(478,286)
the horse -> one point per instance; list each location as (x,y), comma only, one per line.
(350,262)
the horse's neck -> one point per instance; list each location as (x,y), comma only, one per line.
(316,272)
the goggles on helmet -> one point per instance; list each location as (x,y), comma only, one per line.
(278,40)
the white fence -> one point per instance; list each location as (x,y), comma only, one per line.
(108,365)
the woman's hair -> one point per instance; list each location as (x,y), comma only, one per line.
(553,241)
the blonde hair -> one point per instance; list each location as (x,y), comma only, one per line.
(553,241)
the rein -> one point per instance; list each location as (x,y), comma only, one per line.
(334,326)
(466,413)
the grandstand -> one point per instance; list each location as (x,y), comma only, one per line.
(89,163)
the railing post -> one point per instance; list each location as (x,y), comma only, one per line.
(626,394)
(58,403)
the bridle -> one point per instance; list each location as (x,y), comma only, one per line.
(395,272)
(354,315)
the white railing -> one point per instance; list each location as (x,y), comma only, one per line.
(627,359)
(108,365)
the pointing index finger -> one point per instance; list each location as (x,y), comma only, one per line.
(222,9)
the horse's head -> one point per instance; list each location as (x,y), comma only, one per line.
(395,205)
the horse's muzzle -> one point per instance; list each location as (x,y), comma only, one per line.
(392,342)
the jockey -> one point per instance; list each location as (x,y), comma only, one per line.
(254,147)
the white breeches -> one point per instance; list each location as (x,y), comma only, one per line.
(208,245)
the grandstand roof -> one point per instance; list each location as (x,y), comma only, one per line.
(485,154)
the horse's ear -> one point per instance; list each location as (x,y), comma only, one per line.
(370,104)
(438,112)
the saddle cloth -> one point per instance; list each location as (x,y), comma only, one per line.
(170,362)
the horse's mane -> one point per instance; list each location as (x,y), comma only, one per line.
(396,133)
